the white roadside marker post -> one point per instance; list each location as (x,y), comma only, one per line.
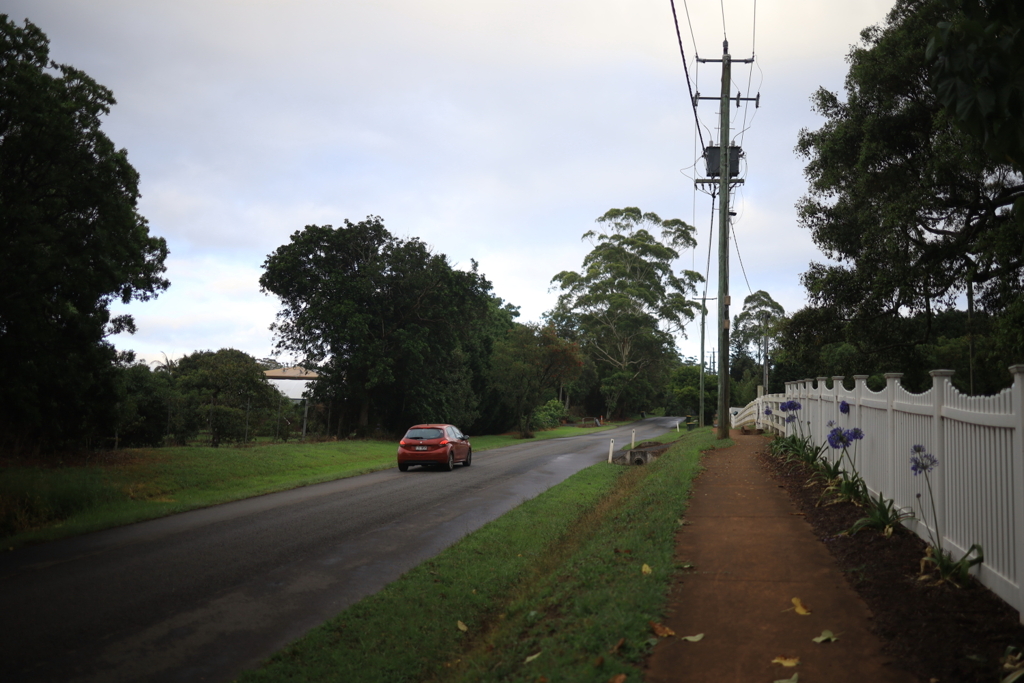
(611,447)
(632,443)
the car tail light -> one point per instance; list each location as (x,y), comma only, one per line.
(444,442)
(402,443)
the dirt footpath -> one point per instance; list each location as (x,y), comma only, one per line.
(752,554)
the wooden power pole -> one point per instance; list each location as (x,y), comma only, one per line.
(725,180)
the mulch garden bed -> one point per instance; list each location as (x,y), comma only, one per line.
(937,632)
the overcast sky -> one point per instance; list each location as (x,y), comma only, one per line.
(492,130)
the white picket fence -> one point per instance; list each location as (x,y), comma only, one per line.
(978,441)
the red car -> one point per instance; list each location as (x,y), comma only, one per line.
(435,444)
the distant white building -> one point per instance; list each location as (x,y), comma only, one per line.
(291,381)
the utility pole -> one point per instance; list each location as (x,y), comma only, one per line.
(724,181)
(703,315)
(703,366)
(764,330)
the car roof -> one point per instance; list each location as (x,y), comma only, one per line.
(431,426)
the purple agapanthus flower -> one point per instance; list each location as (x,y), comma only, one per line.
(855,434)
(830,424)
(837,438)
(790,405)
(844,407)
(790,418)
(922,461)
(767,411)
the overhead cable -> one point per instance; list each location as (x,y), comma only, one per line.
(686,69)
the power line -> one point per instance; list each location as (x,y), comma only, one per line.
(750,73)
(686,69)
(690,23)
(724,35)
(746,105)
(753,32)
(740,256)
(711,239)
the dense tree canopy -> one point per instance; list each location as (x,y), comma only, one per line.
(757,325)
(73,243)
(977,68)
(398,335)
(530,363)
(912,211)
(627,302)
(224,392)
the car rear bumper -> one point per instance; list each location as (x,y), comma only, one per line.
(422,458)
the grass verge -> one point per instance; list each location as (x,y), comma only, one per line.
(553,589)
(42,504)
(487,442)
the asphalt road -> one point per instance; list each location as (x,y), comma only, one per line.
(204,595)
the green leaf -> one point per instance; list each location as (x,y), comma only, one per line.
(693,639)
(826,637)
(794,679)
(532,657)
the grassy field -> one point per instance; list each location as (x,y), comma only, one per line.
(555,590)
(116,488)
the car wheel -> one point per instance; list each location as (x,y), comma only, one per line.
(451,461)
(469,458)
(402,467)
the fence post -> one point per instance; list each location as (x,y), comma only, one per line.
(940,379)
(1017,460)
(892,380)
(859,385)
(820,408)
(837,386)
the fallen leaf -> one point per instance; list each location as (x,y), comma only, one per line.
(599,662)
(693,639)
(533,657)
(660,630)
(462,627)
(646,569)
(626,552)
(794,679)
(621,678)
(786,661)
(542,679)
(826,637)
(618,645)
(800,608)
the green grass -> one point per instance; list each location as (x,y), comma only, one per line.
(560,575)
(667,437)
(487,442)
(39,504)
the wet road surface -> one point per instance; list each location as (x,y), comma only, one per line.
(204,595)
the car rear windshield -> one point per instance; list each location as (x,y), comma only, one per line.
(424,434)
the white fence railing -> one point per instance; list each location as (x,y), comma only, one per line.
(978,441)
